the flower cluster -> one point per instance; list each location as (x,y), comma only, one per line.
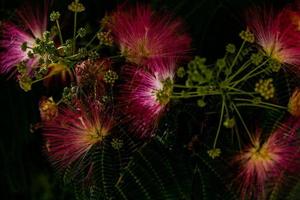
(135,72)
(277,34)
(267,160)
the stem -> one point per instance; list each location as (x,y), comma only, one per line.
(244,124)
(93,38)
(255,105)
(117,56)
(59,102)
(74,32)
(191,87)
(237,56)
(238,91)
(257,73)
(241,69)
(261,103)
(220,122)
(191,96)
(247,76)
(59,33)
(35,81)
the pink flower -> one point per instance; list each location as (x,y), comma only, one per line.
(71,135)
(265,160)
(34,24)
(143,35)
(89,71)
(277,35)
(145,95)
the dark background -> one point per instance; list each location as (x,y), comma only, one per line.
(25,172)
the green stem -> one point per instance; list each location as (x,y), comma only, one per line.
(117,56)
(255,105)
(93,38)
(191,87)
(237,56)
(243,123)
(261,103)
(59,102)
(191,96)
(186,93)
(35,81)
(247,76)
(257,73)
(238,91)
(59,33)
(72,56)
(240,70)
(220,122)
(74,32)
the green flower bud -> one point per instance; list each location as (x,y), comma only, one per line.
(25,82)
(201,103)
(274,65)
(257,58)
(221,63)
(105,38)
(93,55)
(82,32)
(265,88)
(214,153)
(247,36)
(110,77)
(21,68)
(163,95)
(55,15)
(180,72)
(117,144)
(229,123)
(75,6)
(230,48)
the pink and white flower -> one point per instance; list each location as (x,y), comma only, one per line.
(264,161)
(277,35)
(145,95)
(143,35)
(71,134)
(34,24)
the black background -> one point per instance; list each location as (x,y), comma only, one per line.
(25,172)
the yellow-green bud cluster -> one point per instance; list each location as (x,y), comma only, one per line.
(55,15)
(214,153)
(257,58)
(93,55)
(69,93)
(265,88)
(75,6)
(105,38)
(117,144)
(274,65)
(105,21)
(110,77)
(180,72)
(230,48)
(229,123)
(22,68)
(247,36)
(163,95)
(201,103)
(82,32)
(25,82)
(221,63)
